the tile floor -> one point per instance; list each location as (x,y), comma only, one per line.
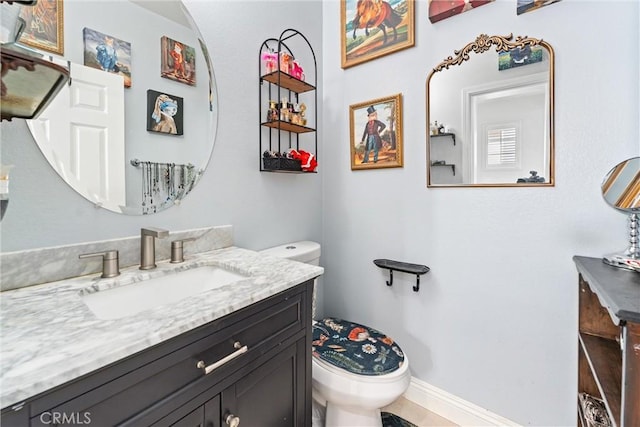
(416,414)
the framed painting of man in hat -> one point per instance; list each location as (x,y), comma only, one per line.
(376,133)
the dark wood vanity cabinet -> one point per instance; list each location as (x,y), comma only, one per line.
(266,384)
(609,341)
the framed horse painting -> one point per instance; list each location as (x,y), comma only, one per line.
(376,133)
(374,28)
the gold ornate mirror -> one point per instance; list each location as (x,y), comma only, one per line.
(490,115)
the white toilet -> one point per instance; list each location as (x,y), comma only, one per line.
(356,369)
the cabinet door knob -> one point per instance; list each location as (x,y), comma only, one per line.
(232,420)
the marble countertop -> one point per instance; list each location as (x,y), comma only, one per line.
(50,337)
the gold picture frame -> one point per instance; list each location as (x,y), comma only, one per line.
(373,28)
(376,133)
(44,27)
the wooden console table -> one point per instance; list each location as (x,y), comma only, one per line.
(609,339)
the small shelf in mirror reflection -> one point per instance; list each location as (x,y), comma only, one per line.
(452,166)
(452,135)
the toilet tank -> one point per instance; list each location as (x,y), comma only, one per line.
(303,251)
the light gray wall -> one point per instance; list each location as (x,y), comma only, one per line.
(495,320)
(265,209)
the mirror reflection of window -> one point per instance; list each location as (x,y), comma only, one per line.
(502,146)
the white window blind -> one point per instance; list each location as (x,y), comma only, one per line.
(502,146)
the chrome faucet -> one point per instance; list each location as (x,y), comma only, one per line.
(148,246)
(110,263)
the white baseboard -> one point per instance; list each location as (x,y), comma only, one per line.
(452,407)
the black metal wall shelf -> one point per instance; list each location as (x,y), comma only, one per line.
(453,167)
(286,171)
(278,134)
(405,267)
(452,135)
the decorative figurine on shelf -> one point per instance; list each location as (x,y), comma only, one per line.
(270,61)
(297,71)
(285,62)
(533,178)
(440,128)
(290,113)
(272,112)
(307,160)
(295,114)
(303,119)
(284,110)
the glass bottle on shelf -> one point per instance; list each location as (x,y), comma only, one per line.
(272,112)
(270,61)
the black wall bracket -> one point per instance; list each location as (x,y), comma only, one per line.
(405,267)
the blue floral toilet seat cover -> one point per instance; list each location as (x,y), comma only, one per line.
(355,348)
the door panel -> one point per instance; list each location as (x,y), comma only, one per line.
(90,154)
(266,397)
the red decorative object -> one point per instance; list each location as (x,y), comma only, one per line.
(442,9)
(307,160)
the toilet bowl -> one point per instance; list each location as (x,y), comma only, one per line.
(356,370)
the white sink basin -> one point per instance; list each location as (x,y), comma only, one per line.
(133,298)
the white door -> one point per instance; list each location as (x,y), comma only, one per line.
(81,133)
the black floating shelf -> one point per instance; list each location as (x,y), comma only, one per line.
(405,267)
(452,135)
(453,167)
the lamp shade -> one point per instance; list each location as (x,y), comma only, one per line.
(29,82)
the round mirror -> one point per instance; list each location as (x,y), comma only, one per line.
(621,186)
(135,129)
(621,190)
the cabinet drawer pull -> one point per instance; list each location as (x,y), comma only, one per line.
(208,369)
